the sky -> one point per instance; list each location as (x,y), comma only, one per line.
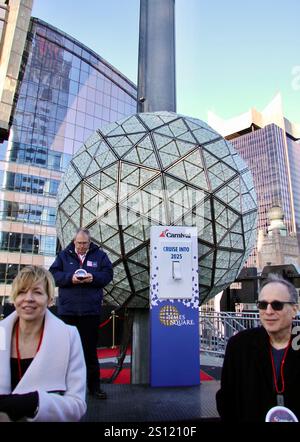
(231,55)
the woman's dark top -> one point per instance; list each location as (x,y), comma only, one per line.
(277,355)
(14,370)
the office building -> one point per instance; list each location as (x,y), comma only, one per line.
(269,144)
(65,91)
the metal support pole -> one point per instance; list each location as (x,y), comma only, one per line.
(114,316)
(156,68)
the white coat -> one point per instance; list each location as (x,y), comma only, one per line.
(58,366)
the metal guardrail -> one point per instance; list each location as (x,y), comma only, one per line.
(217,327)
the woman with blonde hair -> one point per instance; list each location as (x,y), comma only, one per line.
(42,368)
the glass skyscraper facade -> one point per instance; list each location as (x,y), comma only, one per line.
(294,160)
(66,92)
(264,152)
(269,144)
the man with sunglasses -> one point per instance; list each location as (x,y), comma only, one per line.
(261,367)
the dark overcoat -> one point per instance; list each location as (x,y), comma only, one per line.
(247,388)
(81,299)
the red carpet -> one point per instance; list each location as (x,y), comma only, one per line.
(124,375)
(205,377)
(104,353)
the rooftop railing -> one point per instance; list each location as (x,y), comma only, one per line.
(217,327)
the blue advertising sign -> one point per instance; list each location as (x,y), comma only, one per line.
(174,307)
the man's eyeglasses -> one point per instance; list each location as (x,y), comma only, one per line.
(276,305)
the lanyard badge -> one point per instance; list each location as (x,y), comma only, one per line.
(280,413)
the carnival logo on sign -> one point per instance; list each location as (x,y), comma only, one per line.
(167,234)
(163,234)
(169,316)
